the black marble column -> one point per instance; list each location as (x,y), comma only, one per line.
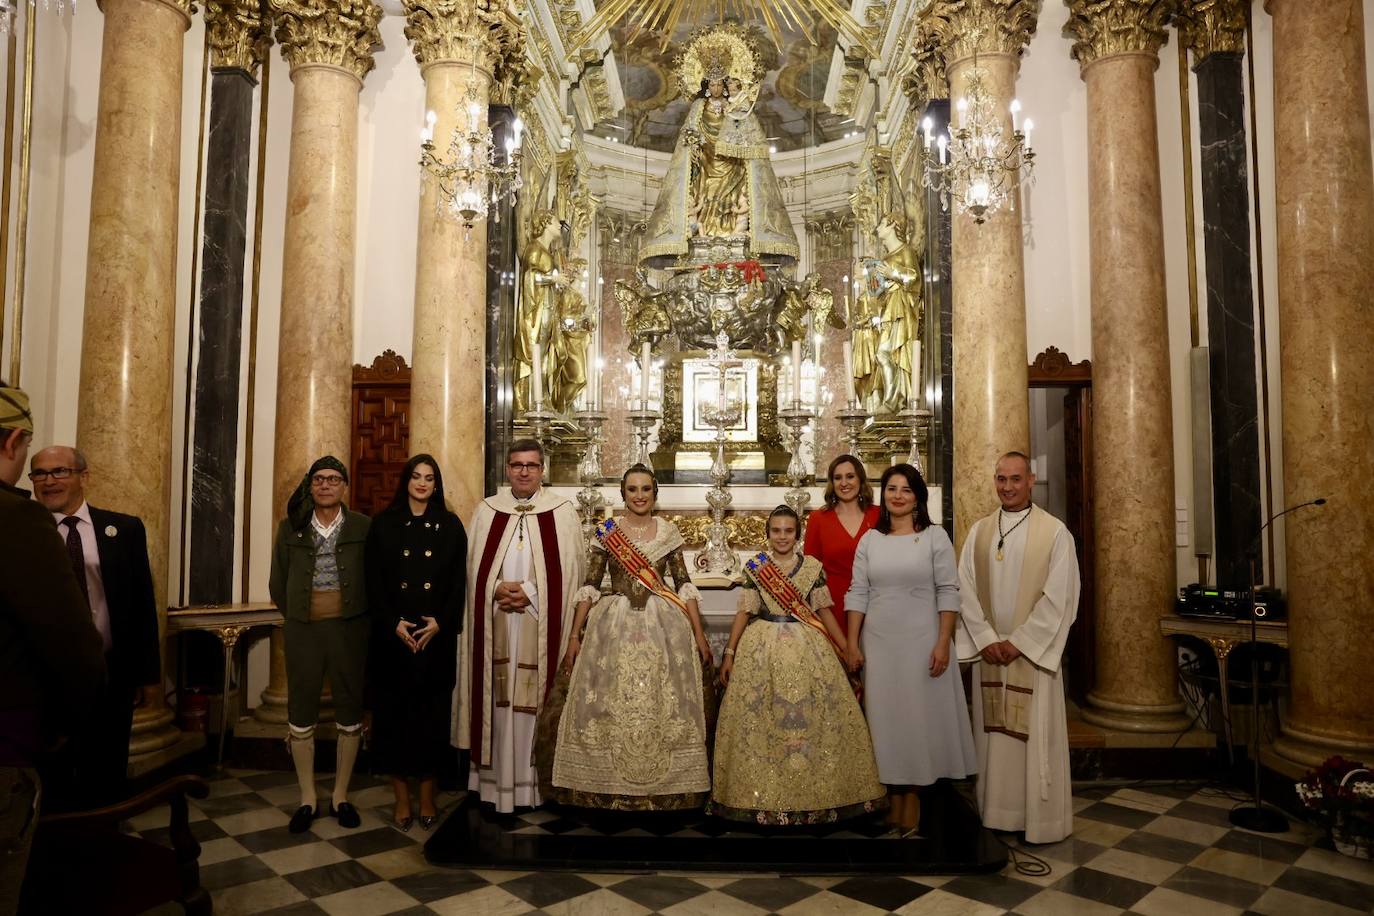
(219,365)
(1230,314)
(940,333)
(501,286)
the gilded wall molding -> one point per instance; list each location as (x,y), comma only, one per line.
(852,82)
(239,36)
(1208,27)
(967,27)
(1103,28)
(339,33)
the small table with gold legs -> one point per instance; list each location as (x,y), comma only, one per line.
(1223,636)
(229,622)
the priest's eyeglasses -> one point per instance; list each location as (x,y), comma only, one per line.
(525,465)
(326,480)
(54,473)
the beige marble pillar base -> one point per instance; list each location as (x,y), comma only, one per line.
(448,375)
(1325,205)
(1133,486)
(991,393)
(152,731)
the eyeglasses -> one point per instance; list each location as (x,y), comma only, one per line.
(326,480)
(525,466)
(54,473)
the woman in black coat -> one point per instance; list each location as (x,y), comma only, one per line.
(416,567)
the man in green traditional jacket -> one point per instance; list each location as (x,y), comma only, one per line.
(317,584)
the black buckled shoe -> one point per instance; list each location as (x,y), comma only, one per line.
(346,814)
(302,819)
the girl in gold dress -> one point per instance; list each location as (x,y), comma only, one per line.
(632,731)
(792,746)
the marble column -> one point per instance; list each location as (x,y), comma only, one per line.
(1215,33)
(457,50)
(502,271)
(991,397)
(127,336)
(328,46)
(1325,205)
(1117,45)
(238,39)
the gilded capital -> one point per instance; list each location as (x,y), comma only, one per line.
(1208,27)
(340,33)
(927,78)
(489,33)
(239,36)
(1103,28)
(963,28)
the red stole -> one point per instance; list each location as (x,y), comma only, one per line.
(553,579)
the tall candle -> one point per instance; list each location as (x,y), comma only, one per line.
(796,372)
(916,374)
(850,392)
(537,378)
(644,356)
(594,376)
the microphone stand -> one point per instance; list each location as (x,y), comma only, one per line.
(1256,817)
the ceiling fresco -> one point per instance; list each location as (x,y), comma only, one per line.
(789,105)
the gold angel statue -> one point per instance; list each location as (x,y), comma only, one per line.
(809,298)
(571,338)
(645,310)
(542,286)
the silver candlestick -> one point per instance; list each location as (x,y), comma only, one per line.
(854,418)
(796,417)
(590,502)
(643,421)
(915,417)
(726,412)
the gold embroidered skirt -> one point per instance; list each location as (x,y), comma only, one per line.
(792,746)
(632,733)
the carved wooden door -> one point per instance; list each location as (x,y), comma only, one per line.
(381,431)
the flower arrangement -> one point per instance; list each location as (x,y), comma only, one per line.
(1342,792)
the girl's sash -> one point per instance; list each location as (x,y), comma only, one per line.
(618,544)
(770,578)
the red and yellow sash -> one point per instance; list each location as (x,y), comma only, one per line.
(618,544)
(770,578)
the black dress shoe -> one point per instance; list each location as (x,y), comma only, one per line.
(301,820)
(427,821)
(346,814)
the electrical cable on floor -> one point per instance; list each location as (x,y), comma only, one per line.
(1023,860)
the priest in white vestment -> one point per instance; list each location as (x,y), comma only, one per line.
(1018,581)
(524,567)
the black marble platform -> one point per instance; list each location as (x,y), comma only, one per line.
(952,841)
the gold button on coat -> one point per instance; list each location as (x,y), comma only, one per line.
(406,552)
(405,585)
(426,586)
(429,553)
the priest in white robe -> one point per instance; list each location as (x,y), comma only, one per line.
(524,567)
(1018,581)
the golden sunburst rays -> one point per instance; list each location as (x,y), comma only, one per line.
(663,17)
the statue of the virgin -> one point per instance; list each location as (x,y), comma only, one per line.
(720,183)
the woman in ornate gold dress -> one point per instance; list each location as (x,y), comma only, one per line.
(632,732)
(792,746)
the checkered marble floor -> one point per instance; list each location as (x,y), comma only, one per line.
(1153,851)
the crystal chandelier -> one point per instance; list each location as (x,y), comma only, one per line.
(469,178)
(975,163)
(8,8)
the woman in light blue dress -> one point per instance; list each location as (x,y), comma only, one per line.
(903,605)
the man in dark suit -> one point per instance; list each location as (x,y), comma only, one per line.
(51,666)
(109,553)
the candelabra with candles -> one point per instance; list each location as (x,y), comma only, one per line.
(725,412)
(590,502)
(537,417)
(469,179)
(975,162)
(644,418)
(915,416)
(853,415)
(795,416)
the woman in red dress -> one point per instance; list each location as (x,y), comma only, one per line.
(832,533)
